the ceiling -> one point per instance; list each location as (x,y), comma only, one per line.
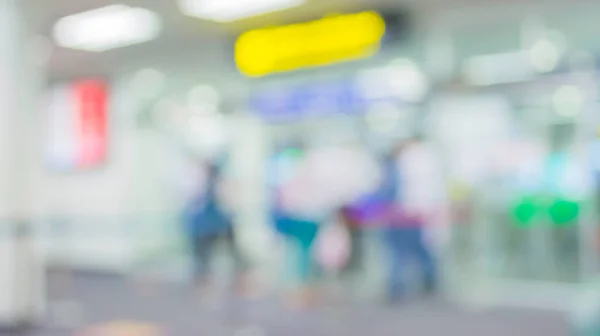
(194,38)
(181,34)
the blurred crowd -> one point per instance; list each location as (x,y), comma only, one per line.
(323,214)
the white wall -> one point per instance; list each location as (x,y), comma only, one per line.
(92,203)
(129,206)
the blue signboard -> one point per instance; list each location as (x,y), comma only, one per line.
(309,101)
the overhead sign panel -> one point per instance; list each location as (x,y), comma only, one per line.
(316,43)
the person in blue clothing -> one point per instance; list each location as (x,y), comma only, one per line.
(404,199)
(208,222)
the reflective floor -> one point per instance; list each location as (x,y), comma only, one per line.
(160,309)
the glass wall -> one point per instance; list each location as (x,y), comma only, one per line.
(522,185)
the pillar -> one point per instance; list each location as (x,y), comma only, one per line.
(21,279)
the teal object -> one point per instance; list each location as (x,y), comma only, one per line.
(303,231)
(302,234)
(305,262)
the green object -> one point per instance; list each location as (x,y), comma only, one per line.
(560,211)
(549,196)
(564,212)
(525,211)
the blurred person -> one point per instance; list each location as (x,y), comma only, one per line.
(294,220)
(208,222)
(300,232)
(412,186)
(349,217)
(374,207)
(312,208)
(340,253)
(354,173)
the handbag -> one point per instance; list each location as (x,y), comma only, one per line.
(332,247)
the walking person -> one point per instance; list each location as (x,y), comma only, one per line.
(341,242)
(350,219)
(207,223)
(291,192)
(413,188)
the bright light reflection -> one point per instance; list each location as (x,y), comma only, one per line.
(107,28)
(544,56)
(568,101)
(231,10)
(203,99)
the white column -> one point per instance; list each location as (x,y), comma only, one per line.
(20,280)
(8,103)
(21,116)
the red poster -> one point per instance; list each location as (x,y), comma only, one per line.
(91,99)
(78,134)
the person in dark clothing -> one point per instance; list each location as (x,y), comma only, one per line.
(350,218)
(207,223)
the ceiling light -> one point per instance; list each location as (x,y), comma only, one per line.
(231,10)
(206,133)
(164,112)
(402,79)
(544,56)
(371,86)
(568,101)
(493,69)
(204,98)
(384,117)
(107,28)
(407,80)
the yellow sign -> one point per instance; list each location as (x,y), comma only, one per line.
(325,41)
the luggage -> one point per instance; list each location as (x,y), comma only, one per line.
(332,247)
